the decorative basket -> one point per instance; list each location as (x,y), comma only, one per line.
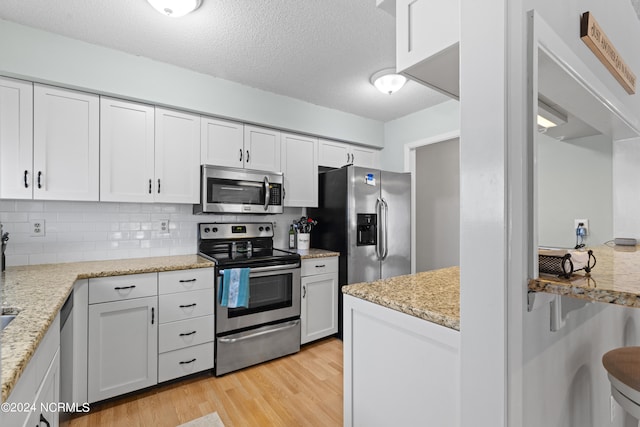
(561,265)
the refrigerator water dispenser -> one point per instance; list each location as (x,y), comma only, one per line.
(367,229)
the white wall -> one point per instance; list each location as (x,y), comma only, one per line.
(436,120)
(49,58)
(88,231)
(574,181)
(626,194)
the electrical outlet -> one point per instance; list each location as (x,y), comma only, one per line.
(164,226)
(585,224)
(37,228)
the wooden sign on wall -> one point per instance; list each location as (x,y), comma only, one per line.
(592,35)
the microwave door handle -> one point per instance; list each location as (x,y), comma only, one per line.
(267,193)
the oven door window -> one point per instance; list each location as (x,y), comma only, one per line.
(235,192)
(267,293)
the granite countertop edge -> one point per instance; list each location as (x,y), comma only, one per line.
(314,253)
(21,338)
(591,294)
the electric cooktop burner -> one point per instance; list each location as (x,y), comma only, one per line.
(242,245)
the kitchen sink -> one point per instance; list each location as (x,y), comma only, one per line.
(5,319)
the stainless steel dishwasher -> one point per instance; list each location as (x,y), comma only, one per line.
(66,358)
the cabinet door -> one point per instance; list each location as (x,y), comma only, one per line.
(123,347)
(261,149)
(221,143)
(333,154)
(365,157)
(65,144)
(319,308)
(47,398)
(126,151)
(177,157)
(16,139)
(300,167)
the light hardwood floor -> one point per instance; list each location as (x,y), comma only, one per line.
(304,389)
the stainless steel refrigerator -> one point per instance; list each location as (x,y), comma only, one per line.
(365,214)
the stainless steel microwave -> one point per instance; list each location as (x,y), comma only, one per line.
(236,190)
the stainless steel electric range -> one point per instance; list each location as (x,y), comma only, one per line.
(270,326)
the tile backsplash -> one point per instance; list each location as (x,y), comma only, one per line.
(89,231)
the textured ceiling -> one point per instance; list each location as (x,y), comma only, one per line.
(319,51)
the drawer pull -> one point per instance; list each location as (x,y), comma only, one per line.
(188,361)
(186,334)
(187,280)
(320,266)
(122,288)
(188,305)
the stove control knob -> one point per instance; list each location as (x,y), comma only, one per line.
(215,230)
(206,230)
(260,228)
(268,228)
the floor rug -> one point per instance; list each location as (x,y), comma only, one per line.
(211,420)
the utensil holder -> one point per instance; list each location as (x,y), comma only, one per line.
(304,241)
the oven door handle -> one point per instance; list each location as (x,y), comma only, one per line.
(270,268)
(264,331)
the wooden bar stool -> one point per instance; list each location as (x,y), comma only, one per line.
(623,367)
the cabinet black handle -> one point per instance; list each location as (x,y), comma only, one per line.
(187,280)
(188,305)
(121,288)
(241,154)
(247,156)
(153,314)
(39,179)
(304,291)
(158,185)
(26,184)
(188,361)
(44,420)
(320,266)
(186,334)
(149,186)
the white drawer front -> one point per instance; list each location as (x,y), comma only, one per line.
(185,305)
(117,288)
(185,280)
(319,266)
(185,333)
(186,361)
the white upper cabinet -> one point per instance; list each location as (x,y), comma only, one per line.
(16,139)
(126,151)
(300,168)
(427,43)
(262,148)
(148,154)
(221,143)
(335,154)
(177,157)
(65,144)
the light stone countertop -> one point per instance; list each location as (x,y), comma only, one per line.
(615,279)
(39,291)
(316,253)
(430,295)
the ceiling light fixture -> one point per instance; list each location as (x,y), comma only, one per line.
(175,8)
(549,117)
(388,81)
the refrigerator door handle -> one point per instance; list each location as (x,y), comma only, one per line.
(379,229)
(385,231)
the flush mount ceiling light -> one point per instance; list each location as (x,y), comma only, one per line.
(175,8)
(388,81)
(549,117)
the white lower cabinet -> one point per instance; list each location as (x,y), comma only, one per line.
(186,336)
(319,298)
(123,347)
(404,367)
(33,401)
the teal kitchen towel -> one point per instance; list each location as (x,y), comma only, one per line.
(235,288)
